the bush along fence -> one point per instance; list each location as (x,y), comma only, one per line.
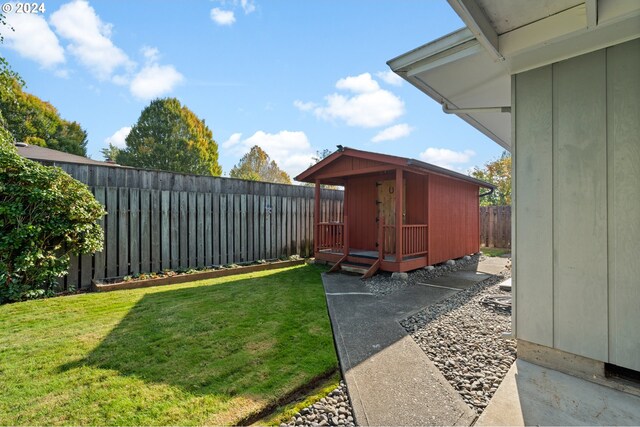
(495,226)
(160,220)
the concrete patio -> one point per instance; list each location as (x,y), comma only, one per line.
(391,381)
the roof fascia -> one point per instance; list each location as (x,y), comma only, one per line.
(448,173)
(435,49)
(322,163)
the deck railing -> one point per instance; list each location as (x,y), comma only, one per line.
(414,239)
(330,235)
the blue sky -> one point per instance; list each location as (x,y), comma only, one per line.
(291,76)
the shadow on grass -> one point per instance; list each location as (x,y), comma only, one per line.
(260,337)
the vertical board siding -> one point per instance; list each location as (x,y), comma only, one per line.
(577,199)
(160,220)
(580,208)
(623,138)
(534,156)
(453,219)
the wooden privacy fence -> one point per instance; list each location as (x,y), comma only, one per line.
(495,226)
(160,220)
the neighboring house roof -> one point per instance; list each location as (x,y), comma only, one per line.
(471,68)
(35,152)
(377,163)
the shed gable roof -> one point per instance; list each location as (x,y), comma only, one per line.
(345,161)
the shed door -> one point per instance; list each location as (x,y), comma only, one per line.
(387,211)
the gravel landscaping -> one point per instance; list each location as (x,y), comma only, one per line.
(463,337)
(385,283)
(332,410)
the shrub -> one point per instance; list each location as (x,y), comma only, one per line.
(45,215)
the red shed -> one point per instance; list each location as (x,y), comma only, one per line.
(433,218)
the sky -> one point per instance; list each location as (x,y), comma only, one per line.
(294,77)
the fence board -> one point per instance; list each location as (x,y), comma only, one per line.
(155,215)
(234,218)
(215,228)
(184,230)
(251,209)
(123,231)
(145,231)
(223,216)
(261,226)
(73,272)
(495,226)
(174,227)
(111,232)
(208,232)
(243,227)
(200,230)
(165,230)
(100,257)
(134,230)
(192,236)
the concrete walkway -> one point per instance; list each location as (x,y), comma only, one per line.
(533,395)
(391,381)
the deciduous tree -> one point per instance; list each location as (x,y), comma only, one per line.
(257,166)
(34,121)
(169,136)
(498,173)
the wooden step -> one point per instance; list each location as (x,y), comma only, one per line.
(354,268)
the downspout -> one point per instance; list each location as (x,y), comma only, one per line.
(487,193)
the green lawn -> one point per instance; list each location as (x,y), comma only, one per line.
(207,352)
(494,252)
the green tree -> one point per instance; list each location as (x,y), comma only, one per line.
(45,215)
(110,153)
(34,121)
(257,166)
(321,155)
(168,136)
(498,173)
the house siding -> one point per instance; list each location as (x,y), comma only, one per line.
(577,205)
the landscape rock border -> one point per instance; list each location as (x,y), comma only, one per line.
(100,285)
(333,410)
(463,338)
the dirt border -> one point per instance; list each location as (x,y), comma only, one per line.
(96,286)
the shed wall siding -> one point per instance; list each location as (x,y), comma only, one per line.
(577,197)
(453,219)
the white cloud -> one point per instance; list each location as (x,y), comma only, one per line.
(232,141)
(33,39)
(155,80)
(118,138)
(368,107)
(90,38)
(151,54)
(392,133)
(304,106)
(358,84)
(366,110)
(291,150)
(222,17)
(389,77)
(446,158)
(248,6)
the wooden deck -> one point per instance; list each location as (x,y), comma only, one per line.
(363,256)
